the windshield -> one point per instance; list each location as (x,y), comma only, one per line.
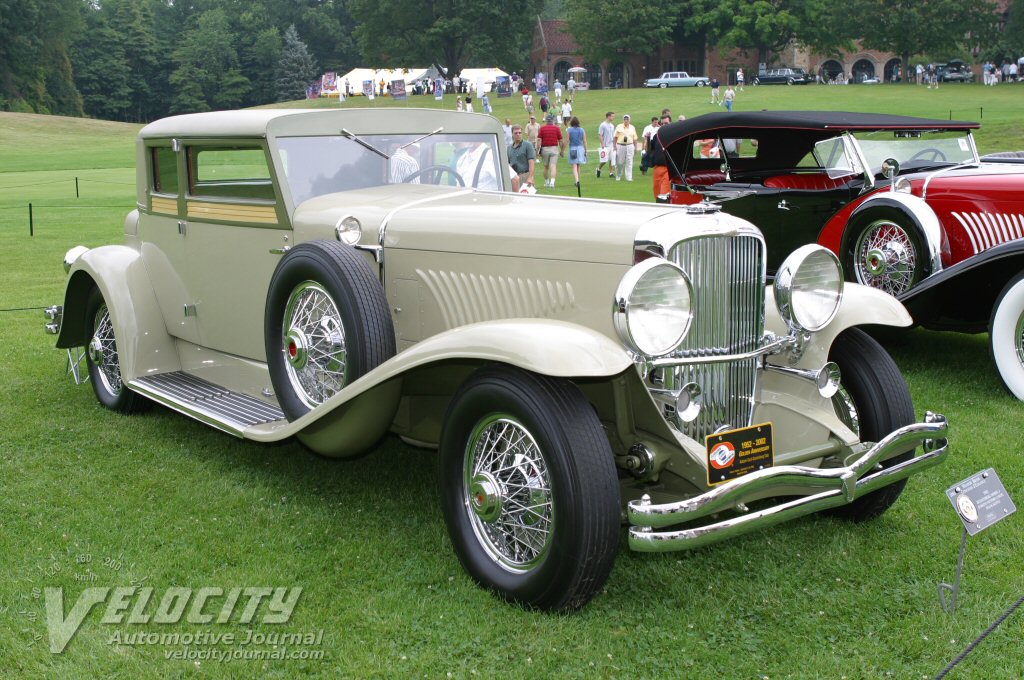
(315,166)
(916,148)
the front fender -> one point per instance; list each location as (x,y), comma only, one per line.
(553,348)
(143,344)
(961,298)
(919,212)
(861,305)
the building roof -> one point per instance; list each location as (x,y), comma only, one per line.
(556,37)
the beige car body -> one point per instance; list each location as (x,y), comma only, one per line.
(472,277)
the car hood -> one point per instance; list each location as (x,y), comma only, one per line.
(431,218)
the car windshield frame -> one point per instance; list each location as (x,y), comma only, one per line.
(323,164)
(916,149)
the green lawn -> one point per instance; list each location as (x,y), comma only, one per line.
(93,499)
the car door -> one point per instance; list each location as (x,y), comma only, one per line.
(236,230)
(161,238)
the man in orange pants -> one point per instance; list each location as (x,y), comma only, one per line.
(659,161)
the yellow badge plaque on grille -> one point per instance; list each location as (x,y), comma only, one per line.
(739,452)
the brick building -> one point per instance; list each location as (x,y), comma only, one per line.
(554,51)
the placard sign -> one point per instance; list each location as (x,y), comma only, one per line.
(981,501)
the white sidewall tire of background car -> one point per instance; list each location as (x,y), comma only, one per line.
(1004,335)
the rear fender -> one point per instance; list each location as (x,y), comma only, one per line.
(143,344)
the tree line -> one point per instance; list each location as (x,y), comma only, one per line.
(138,60)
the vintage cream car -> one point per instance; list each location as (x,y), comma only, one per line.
(321,275)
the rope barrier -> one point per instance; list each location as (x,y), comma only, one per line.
(970,648)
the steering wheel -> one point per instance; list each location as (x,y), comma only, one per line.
(936,155)
(439,169)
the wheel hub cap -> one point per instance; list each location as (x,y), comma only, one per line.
(296,348)
(485,497)
(96,351)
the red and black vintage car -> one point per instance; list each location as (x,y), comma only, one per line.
(905,203)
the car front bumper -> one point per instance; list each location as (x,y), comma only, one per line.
(823,488)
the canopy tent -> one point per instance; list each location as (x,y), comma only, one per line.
(482,79)
(356,76)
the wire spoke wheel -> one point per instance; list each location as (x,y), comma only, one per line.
(886,257)
(103,352)
(314,344)
(508,493)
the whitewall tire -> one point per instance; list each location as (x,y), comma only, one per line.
(1006,335)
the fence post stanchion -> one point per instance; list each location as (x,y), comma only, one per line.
(76,187)
(31,228)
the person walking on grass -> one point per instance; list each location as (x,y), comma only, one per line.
(626,142)
(552,147)
(577,148)
(606,138)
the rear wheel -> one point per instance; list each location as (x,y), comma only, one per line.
(886,252)
(529,488)
(105,363)
(873,400)
(1006,335)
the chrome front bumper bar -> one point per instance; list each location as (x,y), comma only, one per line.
(826,488)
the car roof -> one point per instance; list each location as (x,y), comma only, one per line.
(270,122)
(803,120)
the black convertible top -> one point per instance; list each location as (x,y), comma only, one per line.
(804,120)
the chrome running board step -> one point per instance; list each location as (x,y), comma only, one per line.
(212,404)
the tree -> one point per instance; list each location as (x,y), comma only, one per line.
(918,27)
(295,69)
(768,26)
(207,73)
(35,70)
(641,26)
(102,72)
(448,34)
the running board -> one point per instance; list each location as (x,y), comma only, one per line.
(231,412)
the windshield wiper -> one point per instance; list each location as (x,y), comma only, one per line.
(422,137)
(371,147)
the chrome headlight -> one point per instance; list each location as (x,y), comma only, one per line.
(809,288)
(653,307)
(348,230)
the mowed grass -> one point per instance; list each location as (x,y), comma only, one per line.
(91,498)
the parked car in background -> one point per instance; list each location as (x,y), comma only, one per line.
(905,203)
(954,73)
(677,79)
(336,275)
(782,76)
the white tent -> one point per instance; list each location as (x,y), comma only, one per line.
(356,76)
(481,79)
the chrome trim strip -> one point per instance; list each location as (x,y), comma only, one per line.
(827,488)
(774,345)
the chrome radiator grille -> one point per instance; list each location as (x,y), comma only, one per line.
(727,272)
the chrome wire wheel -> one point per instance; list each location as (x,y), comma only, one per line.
(885,257)
(844,407)
(103,352)
(313,344)
(508,494)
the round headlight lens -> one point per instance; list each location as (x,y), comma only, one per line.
(653,307)
(348,230)
(809,288)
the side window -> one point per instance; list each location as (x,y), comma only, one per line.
(229,172)
(165,170)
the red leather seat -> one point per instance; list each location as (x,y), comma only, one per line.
(705,178)
(806,182)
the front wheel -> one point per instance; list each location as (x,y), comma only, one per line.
(1006,335)
(757,81)
(105,363)
(886,252)
(529,489)
(663,85)
(873,400)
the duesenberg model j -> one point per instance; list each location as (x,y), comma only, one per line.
(337,275)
